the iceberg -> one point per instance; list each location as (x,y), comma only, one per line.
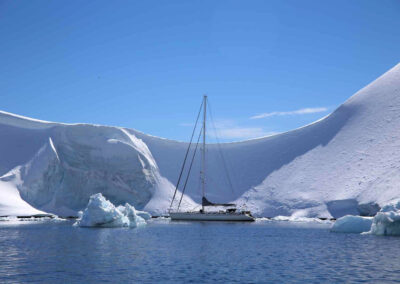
(145,215)
(100,212)
(134,219)
(387,221)
(352,224)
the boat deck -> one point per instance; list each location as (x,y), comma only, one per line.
(211,216)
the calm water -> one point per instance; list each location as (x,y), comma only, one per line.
(163,252)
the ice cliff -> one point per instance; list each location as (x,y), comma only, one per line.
(345,163)
(66,164)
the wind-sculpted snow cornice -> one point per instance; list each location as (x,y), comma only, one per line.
(15,120)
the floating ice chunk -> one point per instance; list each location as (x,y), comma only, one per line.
(391,207)
(387,221)
(352,224)
(145,215)
(102,213)
(134,219)
(129,210)
(299,219)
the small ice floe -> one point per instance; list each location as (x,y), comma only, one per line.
(143,214)
(387,221)
(352,224)
(31,219)
(102,213)
(300,219)
(263,219)
(53,218)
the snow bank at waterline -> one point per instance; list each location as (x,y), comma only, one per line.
(295,219)
(102,213)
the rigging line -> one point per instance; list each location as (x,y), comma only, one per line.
(186,155)
(220,150)
(190,168)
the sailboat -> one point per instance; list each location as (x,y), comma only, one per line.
(231,213)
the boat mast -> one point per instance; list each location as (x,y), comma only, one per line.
(203,172)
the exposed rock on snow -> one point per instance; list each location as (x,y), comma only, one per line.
(102,213)
(387,221)
(345,163)
(352,224)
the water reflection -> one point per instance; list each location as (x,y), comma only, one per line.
(193,252)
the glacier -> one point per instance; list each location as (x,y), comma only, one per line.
(343,164)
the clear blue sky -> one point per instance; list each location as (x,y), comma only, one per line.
(146,64)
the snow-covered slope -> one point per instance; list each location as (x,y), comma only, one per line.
(346,163)
(342,164)
(354,159)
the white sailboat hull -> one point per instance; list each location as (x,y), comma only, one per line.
(229,215)
(210,216)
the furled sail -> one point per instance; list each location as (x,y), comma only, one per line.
(205,202)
